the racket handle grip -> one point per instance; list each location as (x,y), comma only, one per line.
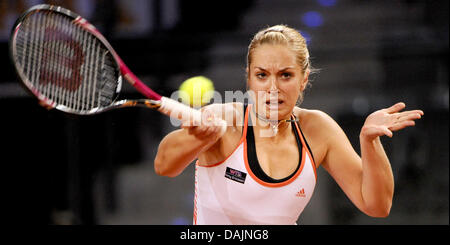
(185,113)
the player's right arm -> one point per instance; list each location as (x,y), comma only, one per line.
(180,147)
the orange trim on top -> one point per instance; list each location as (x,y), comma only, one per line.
(267,184)
(305,148)
(244,135)
(313,164)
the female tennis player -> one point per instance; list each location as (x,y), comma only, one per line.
(262,170)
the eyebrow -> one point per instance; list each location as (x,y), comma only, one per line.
(284,69)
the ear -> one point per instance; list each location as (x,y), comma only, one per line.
(304,82)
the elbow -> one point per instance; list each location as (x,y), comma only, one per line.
(158,168)
(382,213)
(161,168)
(160,163)
(163,161)
(379,211)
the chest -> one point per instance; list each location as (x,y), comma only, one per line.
(278,159)
(231,193)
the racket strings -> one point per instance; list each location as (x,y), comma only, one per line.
(65,63)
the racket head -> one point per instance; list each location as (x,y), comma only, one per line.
(63,63)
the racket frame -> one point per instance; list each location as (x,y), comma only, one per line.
(164,105)
(122,69)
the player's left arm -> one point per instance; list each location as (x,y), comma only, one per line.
(367,179)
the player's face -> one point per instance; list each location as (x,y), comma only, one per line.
(276,80)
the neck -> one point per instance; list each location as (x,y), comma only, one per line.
(270,128)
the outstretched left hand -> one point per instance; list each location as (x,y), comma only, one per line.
(388,120)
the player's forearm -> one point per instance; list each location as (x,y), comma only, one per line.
(176,151)
(377,178)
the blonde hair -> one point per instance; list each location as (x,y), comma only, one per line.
(283,35)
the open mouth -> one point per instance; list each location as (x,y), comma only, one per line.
(273,104)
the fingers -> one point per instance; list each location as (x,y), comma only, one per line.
(400,106)
(409,115)
(402,125)
(401,120)
(396,108)
(385,131)
(389,120)
(207,118)
(388,133)
(372,132)
(405,119)
(207,128)
(203,132)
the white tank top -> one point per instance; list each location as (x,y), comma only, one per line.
(228,192)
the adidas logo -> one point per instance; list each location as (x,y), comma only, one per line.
(301,193)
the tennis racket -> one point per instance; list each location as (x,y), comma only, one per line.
(67,64)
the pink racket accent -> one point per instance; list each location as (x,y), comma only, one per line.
(140,86)
(136,82)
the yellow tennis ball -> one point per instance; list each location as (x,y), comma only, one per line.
(196,91)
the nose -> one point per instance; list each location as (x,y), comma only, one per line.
(273,85)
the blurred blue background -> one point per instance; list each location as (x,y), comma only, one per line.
(61,169)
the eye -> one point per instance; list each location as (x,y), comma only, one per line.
(286,75)
(261,75)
